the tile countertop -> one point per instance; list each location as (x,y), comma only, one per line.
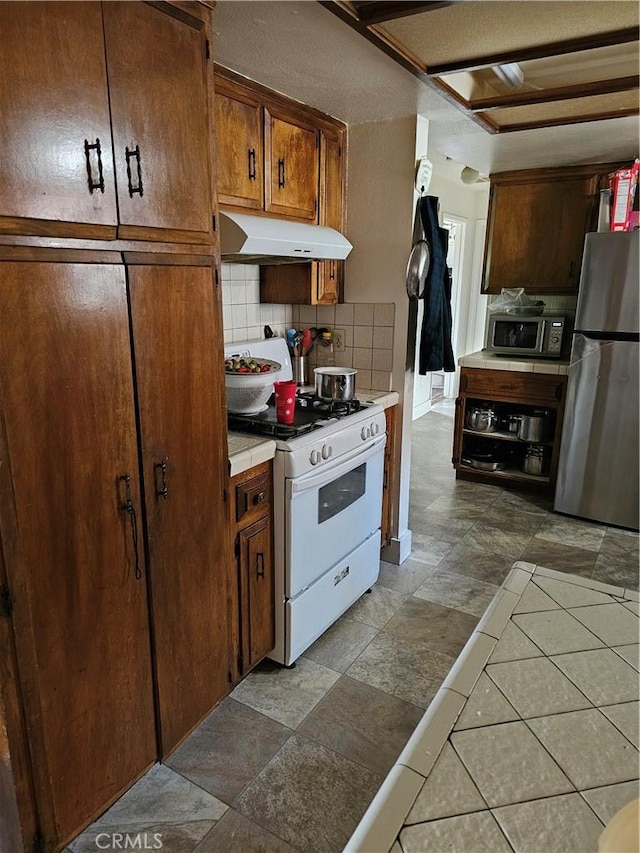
(247,451)
(493,361)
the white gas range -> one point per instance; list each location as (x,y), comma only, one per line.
(328,473)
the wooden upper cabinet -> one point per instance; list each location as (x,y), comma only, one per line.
(330,274)
(56,162)
(158,91)
(239,150)
(292,157)
(63,100)
(537,222)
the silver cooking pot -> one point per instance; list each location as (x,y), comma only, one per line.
(482,419)
(337,384)
(534,428)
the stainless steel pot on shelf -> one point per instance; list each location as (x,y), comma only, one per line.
(534,428)
(534,462)
(482,419)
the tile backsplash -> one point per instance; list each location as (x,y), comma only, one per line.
(562,304)
(368,337)
(243,315)
(368,327)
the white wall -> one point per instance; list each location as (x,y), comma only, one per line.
(380,208)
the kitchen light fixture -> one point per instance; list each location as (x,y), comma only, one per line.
(469,175)
(511,74)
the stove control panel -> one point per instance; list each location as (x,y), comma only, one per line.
(327,445)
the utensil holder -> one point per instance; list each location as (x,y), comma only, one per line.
(299,368)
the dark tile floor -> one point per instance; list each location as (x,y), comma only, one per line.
(291,760)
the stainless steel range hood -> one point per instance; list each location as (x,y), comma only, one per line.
(264,240)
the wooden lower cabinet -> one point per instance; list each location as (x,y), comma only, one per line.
(387,483)
(113,622)
(509,394)
(252,598)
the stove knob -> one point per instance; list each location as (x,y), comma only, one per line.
(365,433)
(375,428)
(327,451)
(314,457)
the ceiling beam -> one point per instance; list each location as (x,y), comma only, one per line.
(378,12)
(561,93)
(534,125)
(525,54)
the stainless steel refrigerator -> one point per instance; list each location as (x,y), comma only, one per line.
(598,468)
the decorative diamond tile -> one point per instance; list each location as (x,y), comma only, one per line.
(485,706)
(448,791)
(521,683)
(556,631)
(602,675)
(562,824)
(514,645)
(534,599)
(589,749)
(569,594)
(612,623)
(472,833)
(495,757)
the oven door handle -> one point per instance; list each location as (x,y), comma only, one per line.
(345,464)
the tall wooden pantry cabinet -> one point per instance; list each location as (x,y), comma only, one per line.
(114,636)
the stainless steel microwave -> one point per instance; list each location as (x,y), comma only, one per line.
(541,337)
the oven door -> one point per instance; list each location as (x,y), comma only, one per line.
(331,512)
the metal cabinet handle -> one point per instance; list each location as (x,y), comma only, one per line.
(260,562)
(99,184)
(129,155)
(332,270)
(281,175)
(259,498)
(161,468)
(130,509)
(571,269)
(251,154)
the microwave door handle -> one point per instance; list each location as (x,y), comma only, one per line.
(542,336)
(327,474)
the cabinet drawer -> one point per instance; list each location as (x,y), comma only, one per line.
(527,387)
(253,498)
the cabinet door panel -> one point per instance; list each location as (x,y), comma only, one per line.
(257,592)
(239,152)
(536,235)
(157,87)
(80,612)
(179,377)
(53,97)
(292,152)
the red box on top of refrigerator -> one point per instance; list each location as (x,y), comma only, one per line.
(623,188)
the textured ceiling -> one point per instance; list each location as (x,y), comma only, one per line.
(493,26)
(305,52)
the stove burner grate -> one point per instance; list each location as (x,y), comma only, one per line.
(333,408)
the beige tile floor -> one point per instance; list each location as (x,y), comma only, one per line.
(542,749)
(293,758)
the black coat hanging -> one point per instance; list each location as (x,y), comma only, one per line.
(435,350)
